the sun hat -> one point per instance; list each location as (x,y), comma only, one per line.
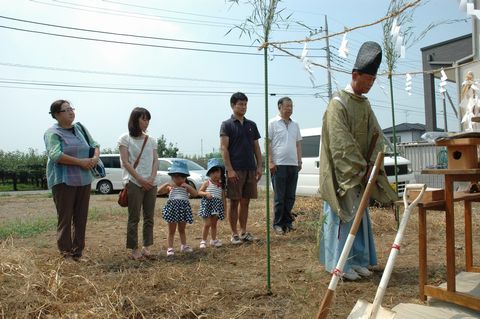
(214,163)
(179,167)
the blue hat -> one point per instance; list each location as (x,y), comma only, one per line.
(178,167)
(214,163)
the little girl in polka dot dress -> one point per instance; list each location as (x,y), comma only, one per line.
(177,210)
(212,205)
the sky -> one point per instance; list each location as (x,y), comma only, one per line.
(184,61)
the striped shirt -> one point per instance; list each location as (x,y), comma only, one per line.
(178,192)
(214,189)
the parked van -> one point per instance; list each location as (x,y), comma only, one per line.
(308,177)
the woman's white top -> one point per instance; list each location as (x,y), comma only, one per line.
(134,145)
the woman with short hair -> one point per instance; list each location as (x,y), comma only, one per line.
(69,176)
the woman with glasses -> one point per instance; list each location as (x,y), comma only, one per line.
(70,160)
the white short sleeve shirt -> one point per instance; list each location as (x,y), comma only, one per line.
(134,145)
(283,137)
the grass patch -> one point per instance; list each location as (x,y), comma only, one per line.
(118,211)
(93,214)
(20,187)
(96,214)
(19,194)
(23,229)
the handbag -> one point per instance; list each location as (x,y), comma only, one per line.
(123,195)
(99,170)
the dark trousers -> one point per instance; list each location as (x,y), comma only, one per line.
(72,212)
(284,182)
(138,199)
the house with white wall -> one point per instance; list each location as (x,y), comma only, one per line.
(405,132)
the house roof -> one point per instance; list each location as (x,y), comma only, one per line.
(439,44)
(406,127)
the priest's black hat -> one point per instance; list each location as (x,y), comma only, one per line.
(369,58)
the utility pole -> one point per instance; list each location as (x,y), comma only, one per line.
(444,112)
(329,72)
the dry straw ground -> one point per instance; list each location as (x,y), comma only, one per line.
(229,282)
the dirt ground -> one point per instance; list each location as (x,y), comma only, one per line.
(226,282)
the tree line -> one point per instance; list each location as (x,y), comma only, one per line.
(29,168)
(23,168)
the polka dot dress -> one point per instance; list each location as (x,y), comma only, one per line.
(177,208)
(212,207)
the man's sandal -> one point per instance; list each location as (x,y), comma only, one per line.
(137,255)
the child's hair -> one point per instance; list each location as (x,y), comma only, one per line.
(223,179)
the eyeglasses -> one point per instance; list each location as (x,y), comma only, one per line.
(68,109)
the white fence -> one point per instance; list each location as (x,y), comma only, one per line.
(425,155)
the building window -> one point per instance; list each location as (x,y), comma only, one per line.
(399,139)
(310,146)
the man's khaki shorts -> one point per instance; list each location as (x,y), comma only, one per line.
(245,187)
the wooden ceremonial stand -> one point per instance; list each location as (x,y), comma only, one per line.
(462,166)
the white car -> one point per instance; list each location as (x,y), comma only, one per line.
(198,174)
(308,177)
(113,169)
(114,172)
(113,178)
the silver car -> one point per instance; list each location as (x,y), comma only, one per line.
(198,174)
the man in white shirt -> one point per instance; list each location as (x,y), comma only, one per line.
(285,161)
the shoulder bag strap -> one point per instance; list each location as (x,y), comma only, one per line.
(141,151)
(82,128)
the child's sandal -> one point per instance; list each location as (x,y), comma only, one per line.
(186,249)
(215,243)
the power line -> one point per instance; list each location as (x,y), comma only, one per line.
(125,34)
(139,44)
(131,43)
(124,13)
(144,86)
(400,109)
(49,68)
(130,89)
(116,12)
(137,35)
(171,11)
(21,84)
